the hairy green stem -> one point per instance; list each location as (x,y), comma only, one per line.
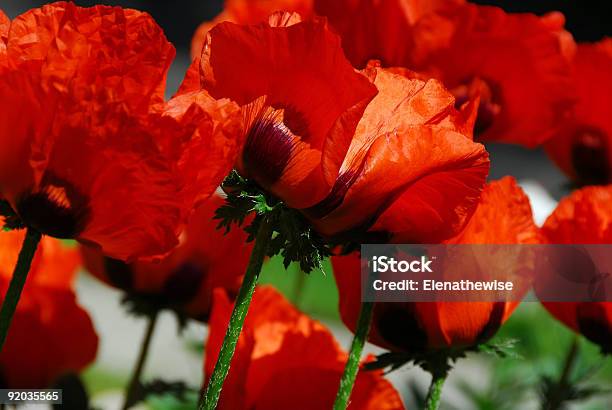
(352,365)
(432,402)
(241,307)
(20,274)
(134,385)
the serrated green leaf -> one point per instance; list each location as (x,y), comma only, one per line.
(293,238)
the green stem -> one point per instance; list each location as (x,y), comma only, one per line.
(432,402)
(20,274)
(558,394)
(352,365)
(298,291)
(134,385)
(243,300)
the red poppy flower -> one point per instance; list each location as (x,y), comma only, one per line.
(286,360)
(584,217)
(582,148)
(90,150)
(515,62)
(503,216)
(184,280)
(50,335)
(379,150)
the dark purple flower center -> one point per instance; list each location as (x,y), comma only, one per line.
(267,150)
(56,208)
(490,102)
(590,153)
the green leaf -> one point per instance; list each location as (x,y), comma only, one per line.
(504,348)
(442,360)
(293,237)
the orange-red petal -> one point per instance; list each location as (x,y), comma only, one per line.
(247,12)
(371,30)
(584,217)
(406,166)
(112,54)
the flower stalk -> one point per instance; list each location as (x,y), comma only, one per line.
(352,365)
(20,274)
(241,307)
(558,395)
(432,402)
(134,385)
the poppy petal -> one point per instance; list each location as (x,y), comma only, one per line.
(247,12)
(371,30)
(86,47)
(437,178)
(399,141)
(584,217)
(503,216)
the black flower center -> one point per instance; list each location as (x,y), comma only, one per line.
(593,323)
(56,208)
(267,150)
(184,284)
(590,156)
(397,325)
(489,107)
